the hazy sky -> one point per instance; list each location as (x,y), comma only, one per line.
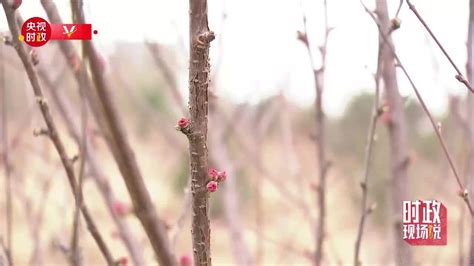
(261,55)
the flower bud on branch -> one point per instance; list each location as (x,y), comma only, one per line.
(184,125)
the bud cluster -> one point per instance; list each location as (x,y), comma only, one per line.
(215,178)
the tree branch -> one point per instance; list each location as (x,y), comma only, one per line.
(463,192)
(365,209)
(123,153)
(459,75)
(199,40)
(53,132)
(323,164)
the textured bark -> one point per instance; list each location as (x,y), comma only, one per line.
(199,69)
(470,118)
(398,139)
(122,151)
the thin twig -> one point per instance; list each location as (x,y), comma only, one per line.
(65,108)
(365,210)
(5,158)
(437,130)
(185,210)
(75,249)
(459,75)
(323,164)
(123,153)
(156,52)
(53,132)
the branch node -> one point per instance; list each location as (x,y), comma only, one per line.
(395,24)
(204,39)
(302,37)
(41,132)
(41,100)
(7,40)
(184,125)
(34,57)
(464,194)
(74,158)
(372,208)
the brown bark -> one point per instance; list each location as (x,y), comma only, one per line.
(123,154)
(398,139)
(199,39)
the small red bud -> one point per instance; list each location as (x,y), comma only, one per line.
(74,62)
(121,208)
(123,261)
(386,118)
(221,176)
(16,4)
(212,186)
(185,260)
(213,173)
(314,186)
(183,122)
(115,235)
(34,57)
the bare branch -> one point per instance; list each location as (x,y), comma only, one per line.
(365,209)
(323,164)
(462,191)
(54,136)
(459,75)
(123,154)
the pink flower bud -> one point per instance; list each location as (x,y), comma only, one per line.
(221,176)
(212,186)
(121,208)
(123,261)
(213,173)
(16,4)
(115,235)
(75,63)
(34,57)
(185,260)
(183,122)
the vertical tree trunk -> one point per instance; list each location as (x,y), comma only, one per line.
(398,139)
(470,117)
(199,39)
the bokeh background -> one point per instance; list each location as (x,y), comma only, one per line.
(263,89)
